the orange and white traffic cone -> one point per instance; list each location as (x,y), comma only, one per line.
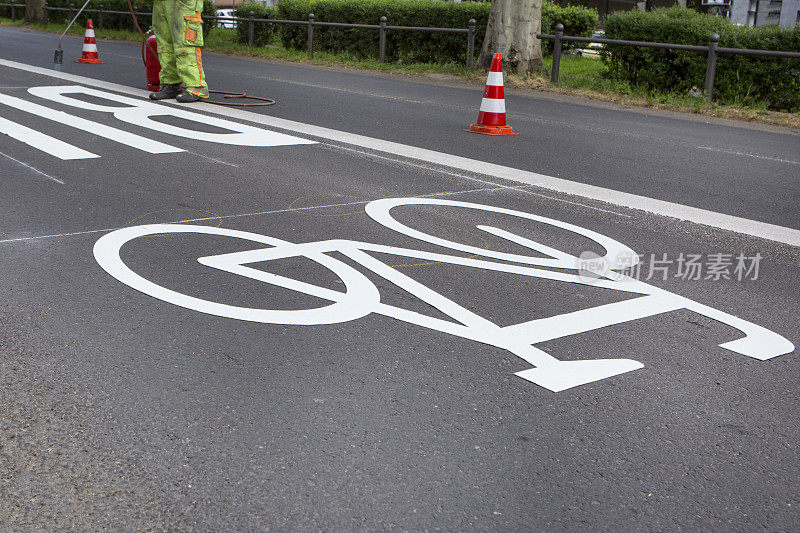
(89,54)
(492,116)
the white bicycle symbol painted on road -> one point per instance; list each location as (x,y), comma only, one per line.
(361,297)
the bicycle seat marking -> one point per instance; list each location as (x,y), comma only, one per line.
(361,297)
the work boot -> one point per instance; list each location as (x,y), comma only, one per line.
(168,90)
(185,97)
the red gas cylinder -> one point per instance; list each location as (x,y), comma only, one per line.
(151,64)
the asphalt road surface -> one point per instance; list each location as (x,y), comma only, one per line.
(342,312)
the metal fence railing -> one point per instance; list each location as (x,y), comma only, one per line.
(713,49)
(383,27)
(14,7)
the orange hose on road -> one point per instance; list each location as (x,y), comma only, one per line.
(228,94)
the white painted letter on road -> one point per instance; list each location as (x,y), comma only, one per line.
(139,112)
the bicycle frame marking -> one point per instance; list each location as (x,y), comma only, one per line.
(361,297)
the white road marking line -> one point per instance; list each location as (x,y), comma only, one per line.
(45,143)
(241,215)
(464,176)
(33,169)
(536,120)
(747,154)
(520,189)
(348,204)
(414,165)
(212,159)
(696,215)
(56,235)
(632,201)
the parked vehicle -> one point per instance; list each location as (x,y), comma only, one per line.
(592,49)
(226,23)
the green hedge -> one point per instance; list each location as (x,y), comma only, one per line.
(739,79)
(578,21)
(262,31)
(117,22)
(407,46)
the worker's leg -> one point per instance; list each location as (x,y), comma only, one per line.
(187,42)
(163,12)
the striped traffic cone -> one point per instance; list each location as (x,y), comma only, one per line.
(492,116)
(89,54)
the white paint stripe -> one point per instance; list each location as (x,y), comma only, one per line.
(492,105)
(522,189)
(89,48)
(745,154)
(40,141)
(241,215)
(495,78)
(89,33)
(32,168)
(212,159)
(471,178)
(722,221)
(120,136)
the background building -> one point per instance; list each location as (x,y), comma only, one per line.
(766,12)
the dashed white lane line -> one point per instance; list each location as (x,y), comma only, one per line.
(48,176)
(705,217)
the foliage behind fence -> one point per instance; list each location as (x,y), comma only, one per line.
(262,31)
(114,21)
(578,21)
(739,79)
(407,46)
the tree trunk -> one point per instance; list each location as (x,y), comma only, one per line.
(34,10)
(511,31)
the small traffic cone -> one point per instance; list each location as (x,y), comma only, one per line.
(492,116)
(89,54)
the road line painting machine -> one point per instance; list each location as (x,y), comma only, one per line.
(58,56)
(152,65)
